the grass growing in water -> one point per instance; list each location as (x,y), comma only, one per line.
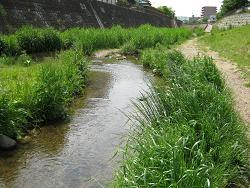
(188,133)
(35,94)
(32,94)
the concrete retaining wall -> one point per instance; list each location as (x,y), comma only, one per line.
(63,14)
(236,20)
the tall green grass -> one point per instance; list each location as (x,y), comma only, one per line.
(39,93)
(33,93)
(33,40)
(187,131)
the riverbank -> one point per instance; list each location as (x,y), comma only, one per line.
(188,133)
(36,92)
(231,73)
(233,45)
(80,150)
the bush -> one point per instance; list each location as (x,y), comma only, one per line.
(12,47)
(34,40)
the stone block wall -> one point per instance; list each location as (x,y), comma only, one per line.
(62,14)
(236,20)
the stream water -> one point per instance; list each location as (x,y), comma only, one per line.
(79,153)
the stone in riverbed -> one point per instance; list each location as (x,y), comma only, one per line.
(7,143)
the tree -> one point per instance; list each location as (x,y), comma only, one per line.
(230,5)
(167,10)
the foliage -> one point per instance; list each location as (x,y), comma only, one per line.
(148,36)
(34,93)
(198,31)
(188,134)
(155,59)
(167,10)
(3,46)
(230,5)
(12,47)
(39,93)
(2,10)
(34,40)
(232,45)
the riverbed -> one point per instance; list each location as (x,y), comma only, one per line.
(79,153)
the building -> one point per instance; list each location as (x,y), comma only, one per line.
(208,12)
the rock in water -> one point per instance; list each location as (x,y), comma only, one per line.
(7,143)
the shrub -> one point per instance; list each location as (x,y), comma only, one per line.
(34,40)
(12,47)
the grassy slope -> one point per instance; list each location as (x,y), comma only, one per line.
(233,44)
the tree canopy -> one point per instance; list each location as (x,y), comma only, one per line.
(230,5)
(167,10)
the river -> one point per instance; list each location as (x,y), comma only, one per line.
(79,153)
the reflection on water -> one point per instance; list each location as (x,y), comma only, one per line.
(78,153)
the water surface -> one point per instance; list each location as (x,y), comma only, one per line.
(79,153)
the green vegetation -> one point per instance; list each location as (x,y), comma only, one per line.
(145,36)
(2,10)
(167,10)
(187,132)
(231,5)
(233,44)
(33,40)
(36,92)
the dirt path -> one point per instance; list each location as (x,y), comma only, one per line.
(232,76)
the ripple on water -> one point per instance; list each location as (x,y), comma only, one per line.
(78,153)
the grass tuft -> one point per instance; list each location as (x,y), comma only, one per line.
(35,94)
(188,133)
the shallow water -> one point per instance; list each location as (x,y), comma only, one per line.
(79,153)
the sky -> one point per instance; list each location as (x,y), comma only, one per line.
(187,7)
